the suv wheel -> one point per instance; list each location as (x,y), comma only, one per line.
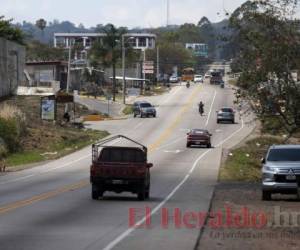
(266,195)
(209,145)
(218,121)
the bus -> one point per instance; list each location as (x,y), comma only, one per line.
(188,75)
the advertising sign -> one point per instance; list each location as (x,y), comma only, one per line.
(48,108)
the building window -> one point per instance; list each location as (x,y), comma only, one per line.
(142,42)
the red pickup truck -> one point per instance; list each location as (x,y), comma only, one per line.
(120,169)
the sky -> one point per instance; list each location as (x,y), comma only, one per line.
(130,13)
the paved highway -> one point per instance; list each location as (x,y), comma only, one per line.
(49,207)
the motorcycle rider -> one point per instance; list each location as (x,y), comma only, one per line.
(188,84)
(201,108)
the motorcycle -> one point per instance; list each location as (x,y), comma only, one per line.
(188,85)
(201,110)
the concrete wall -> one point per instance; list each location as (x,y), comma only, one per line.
(12,62)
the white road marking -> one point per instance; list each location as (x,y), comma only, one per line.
(122,236)
(211,107)
(173,151)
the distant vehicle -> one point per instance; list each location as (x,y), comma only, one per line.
(226,115)
(198,137)
(207,76)
(120,169)
(281,171)
(143,109)
(188,75)
(174,79)
(222,84)
(198,78)
(216,77)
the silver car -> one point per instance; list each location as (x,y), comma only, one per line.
(281,171)
(226,115)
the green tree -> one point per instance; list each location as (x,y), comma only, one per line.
(9,32)
(267,54)
(108,51)
(41,24)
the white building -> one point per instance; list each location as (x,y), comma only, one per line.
(140,41)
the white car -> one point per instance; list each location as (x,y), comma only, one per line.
(207,76)
(174,79)
(198,78)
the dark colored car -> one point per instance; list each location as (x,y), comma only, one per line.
(143,109)
(226,115)
(199,137)
(281,171)
(120,169)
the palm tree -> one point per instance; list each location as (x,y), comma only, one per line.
(108,51)
(41,24)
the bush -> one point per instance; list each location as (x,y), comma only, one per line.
(3,149)
(10,133)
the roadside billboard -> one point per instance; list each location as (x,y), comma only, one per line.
(48,108)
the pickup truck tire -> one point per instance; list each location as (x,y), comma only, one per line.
(147,196)
(96,192)
(266,195)
(142,193)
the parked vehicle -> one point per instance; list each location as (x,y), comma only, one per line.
(120,169)
(281,171)
(226,115)
(207,76)
(198,78)
(222,84)
(174,79)
(198,137)
(144,109)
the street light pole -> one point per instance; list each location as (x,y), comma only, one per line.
(123,67)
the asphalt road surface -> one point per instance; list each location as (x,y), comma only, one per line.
(49,207)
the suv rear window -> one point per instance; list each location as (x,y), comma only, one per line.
(122,155)
(227,110)
(287,154)
(145,105)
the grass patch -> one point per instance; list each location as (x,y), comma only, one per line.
(128,110)
(244,163)
(233,81)
(69,143)
(23,158)
(156,90)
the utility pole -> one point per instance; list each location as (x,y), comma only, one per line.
(144,74)
(69,76)
(168,13)
(123,68)
(157,65)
